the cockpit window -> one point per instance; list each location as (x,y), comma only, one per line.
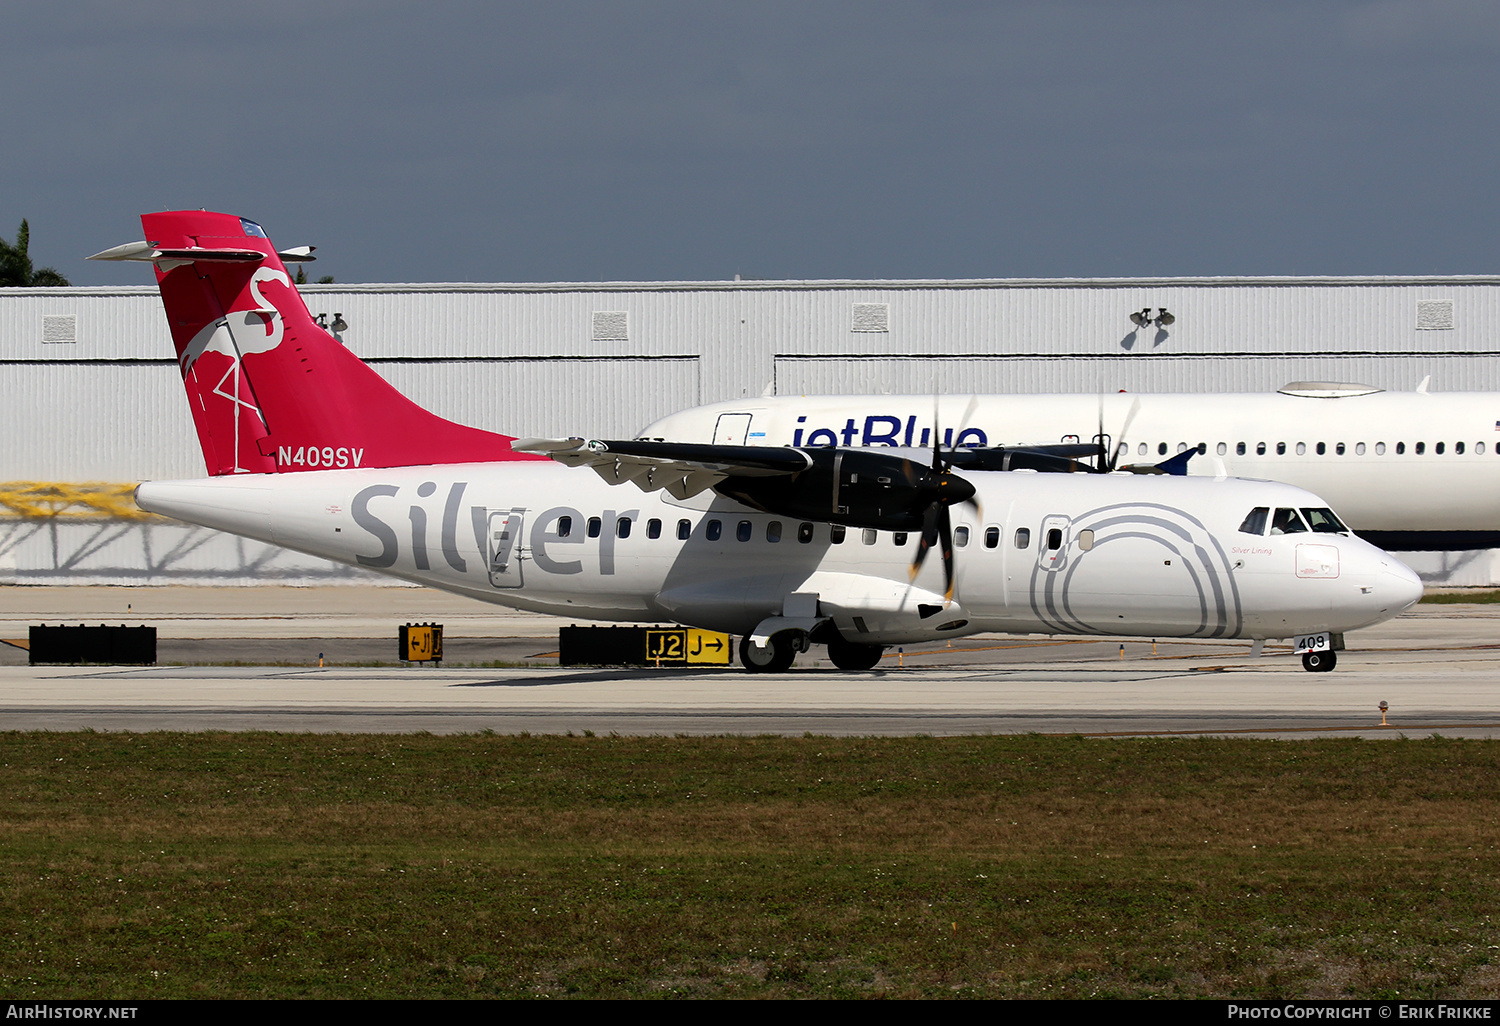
(1322,521)
(1255,523)
(1286,521)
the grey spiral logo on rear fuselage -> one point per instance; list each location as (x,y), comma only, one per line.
(1183,539)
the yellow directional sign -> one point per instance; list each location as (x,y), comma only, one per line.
(422,642)
(684,646)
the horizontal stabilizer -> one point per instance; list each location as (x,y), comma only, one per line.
(148,252)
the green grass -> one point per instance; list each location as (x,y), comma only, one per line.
(264,865)
(1457,597)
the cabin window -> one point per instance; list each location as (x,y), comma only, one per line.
(1419,448)
(1141,449)
(1255,522)
(1322,520)
(836,534)
(1281,448)
(899,538)
(1182,447)
(1478,448)
(991,537)
(715,530)
(1338,450)
(653,528)
(1054,539)
(1400,448)
(1458,448)
(1085,540)
(1023,537)
(743,530)
(804,532)
(773,531)
(1239,448)
(1301,448)
(961,537)
(622,527)
(1322,449)
(1438,449)
(1359,448)
(1379,448)
(595,526)
(1260,448)
(564,526)
(1287,521)
(684,530)
(1202,448)
(868,536)
(1161,450)
(1223,449)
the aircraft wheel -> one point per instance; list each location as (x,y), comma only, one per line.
(774,658)
(852,656)
(1319,662)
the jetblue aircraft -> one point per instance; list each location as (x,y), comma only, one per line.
(1407,470)
(308,448)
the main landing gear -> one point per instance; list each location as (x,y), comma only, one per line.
(1319,662)
(777,656)
(852,656)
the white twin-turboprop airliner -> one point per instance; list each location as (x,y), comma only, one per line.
(786,546)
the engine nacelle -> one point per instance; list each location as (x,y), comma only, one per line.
(854,487)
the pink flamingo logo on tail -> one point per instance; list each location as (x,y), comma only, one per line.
(235,335)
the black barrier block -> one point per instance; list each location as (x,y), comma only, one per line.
(132,646)
(601,646)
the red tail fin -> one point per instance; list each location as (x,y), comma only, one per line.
(271,391)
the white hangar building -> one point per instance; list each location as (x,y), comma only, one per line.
(92,393)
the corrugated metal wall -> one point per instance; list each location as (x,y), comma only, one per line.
(534,360)
(550,398)
(811,375)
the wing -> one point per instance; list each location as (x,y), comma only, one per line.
(687,468)
(682,469)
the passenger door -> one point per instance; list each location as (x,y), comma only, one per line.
(1052,546)
(503,540)
(732,429)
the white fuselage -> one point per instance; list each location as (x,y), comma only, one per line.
(1386,461)
(1093,554)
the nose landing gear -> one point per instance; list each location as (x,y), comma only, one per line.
(1319,662)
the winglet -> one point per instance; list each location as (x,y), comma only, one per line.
(1177,465)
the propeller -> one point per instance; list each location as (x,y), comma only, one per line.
(940,490)
(1177,465)
(1109,456)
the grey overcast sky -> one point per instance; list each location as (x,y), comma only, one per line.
(576,140)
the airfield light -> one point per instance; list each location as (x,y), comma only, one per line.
(1142,317)
(1383,708)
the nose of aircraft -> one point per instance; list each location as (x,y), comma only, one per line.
(1402,581)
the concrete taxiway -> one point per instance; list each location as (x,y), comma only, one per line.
(1437,668)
